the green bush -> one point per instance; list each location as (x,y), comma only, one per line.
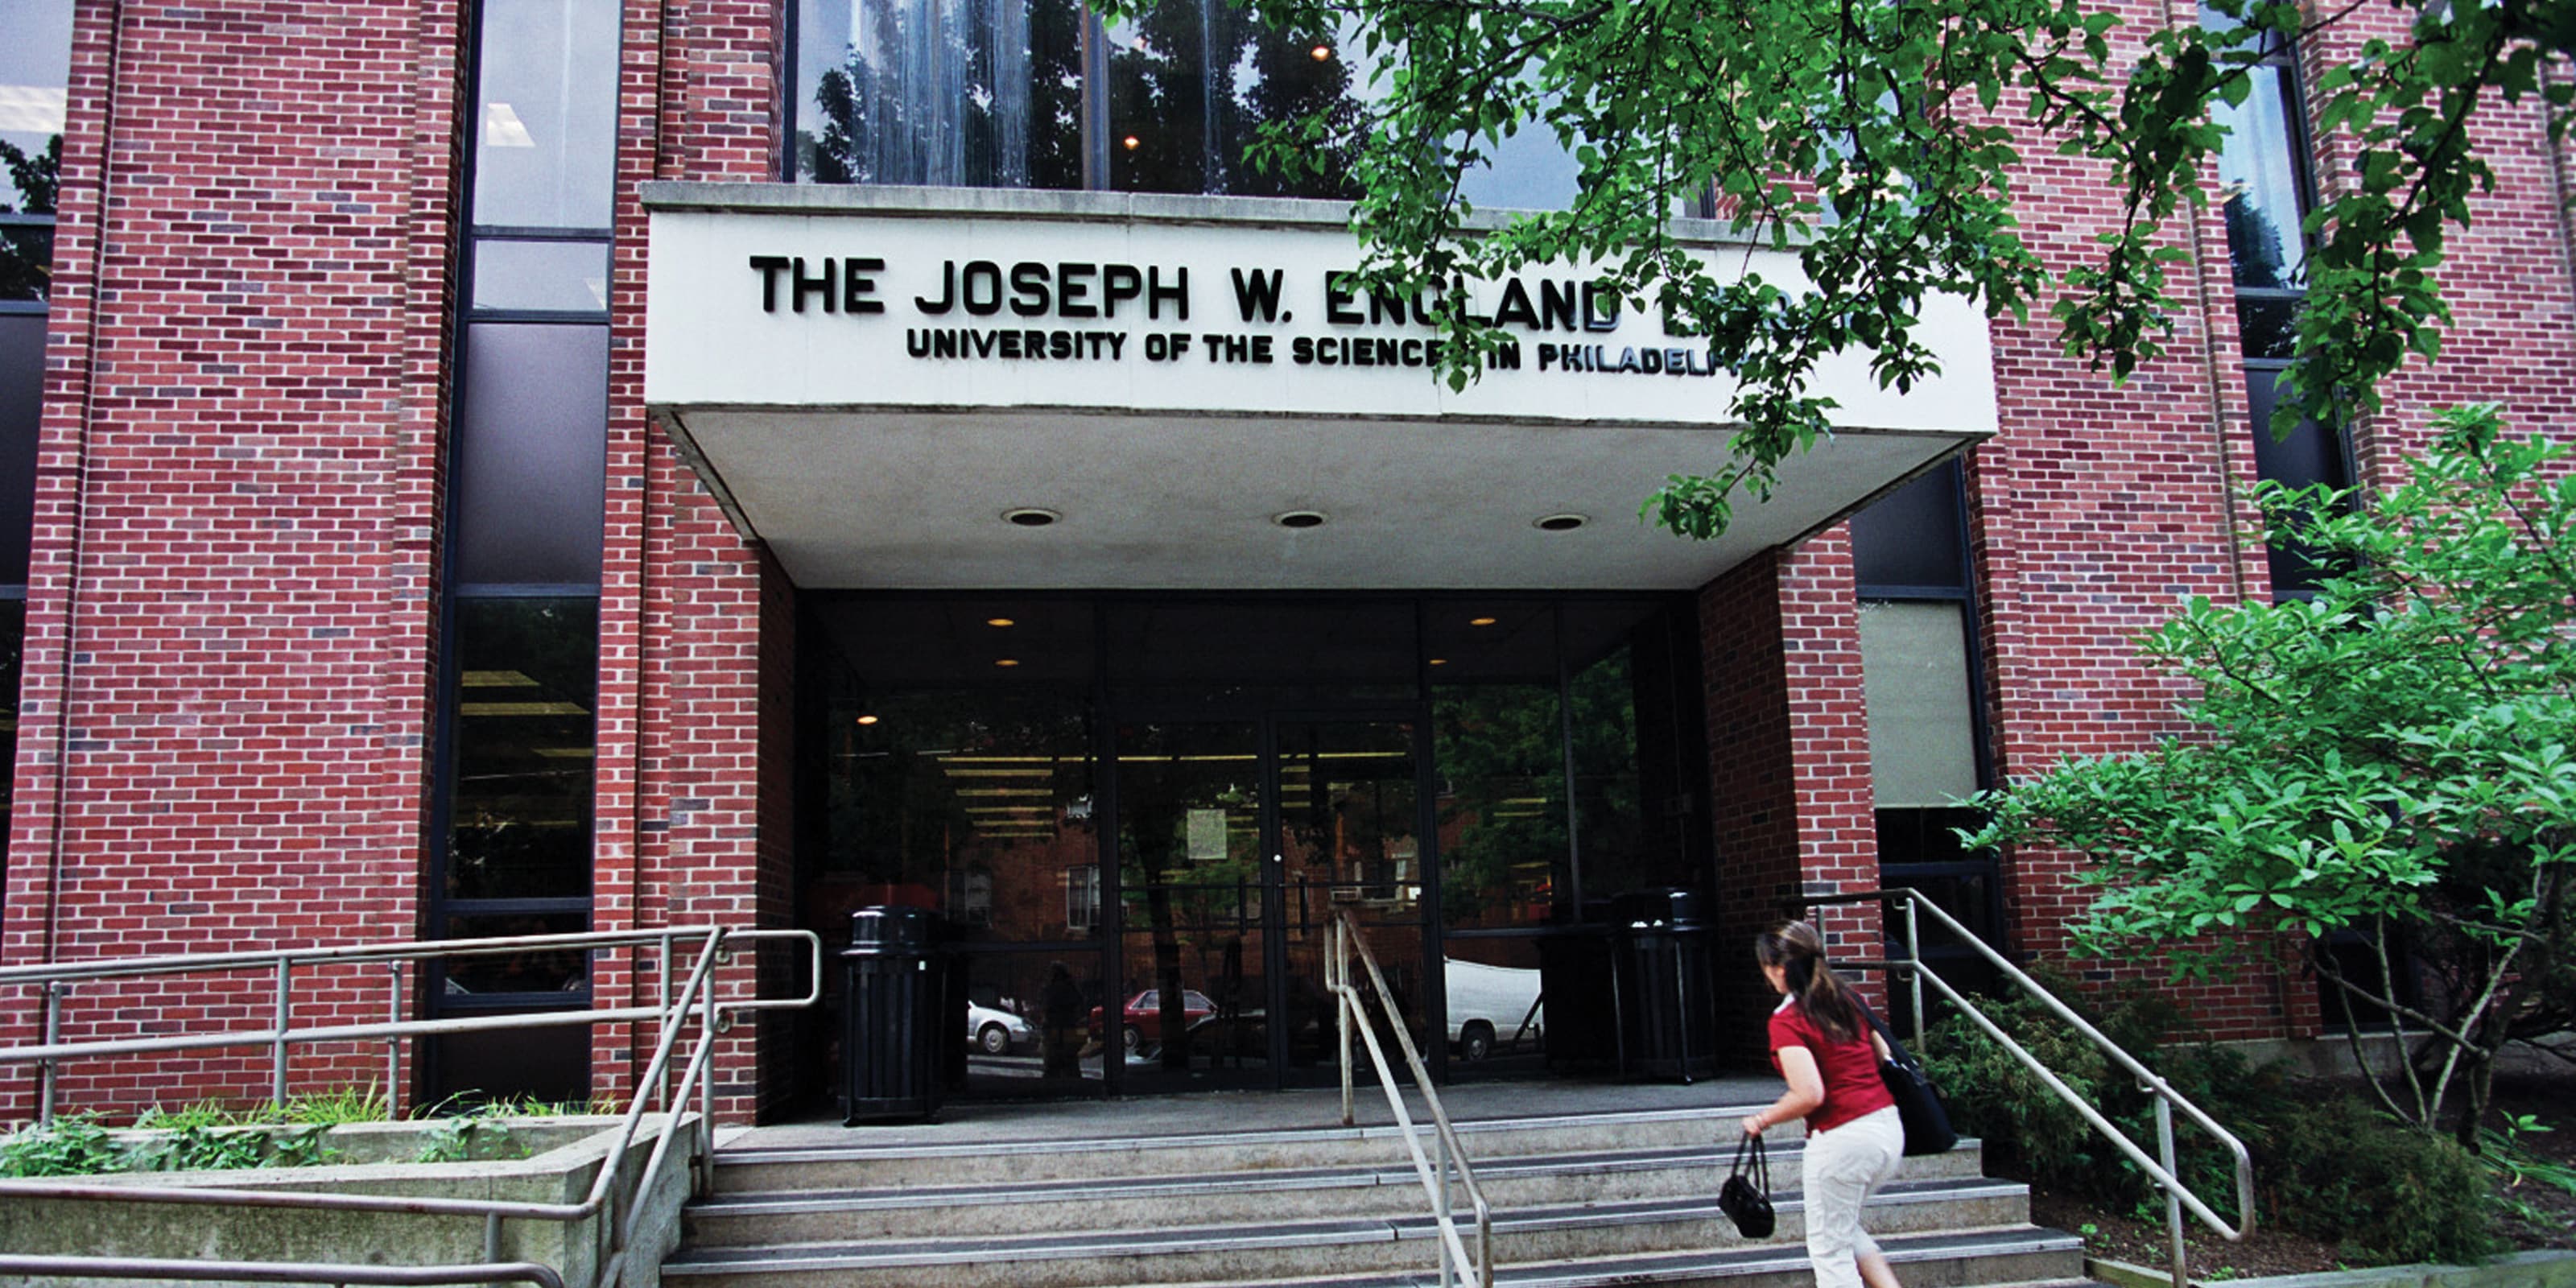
(2326,1163)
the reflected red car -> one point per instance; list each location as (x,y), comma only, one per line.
(1143,1015)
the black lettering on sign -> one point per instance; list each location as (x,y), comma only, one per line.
(1119,282)
(856,285)
(989,275)
(1029,295)
(1258,293)
(1073,290)
(947,292)
(769,267)
(1338,299)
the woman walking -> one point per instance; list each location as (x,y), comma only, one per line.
(1829,1058)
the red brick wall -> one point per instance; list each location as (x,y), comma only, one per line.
(231,597)
(1788,764)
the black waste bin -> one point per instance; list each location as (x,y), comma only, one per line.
(892,1005)
(1667,1025)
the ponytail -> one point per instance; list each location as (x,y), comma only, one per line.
(1820,994)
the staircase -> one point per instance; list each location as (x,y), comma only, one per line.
(1623,1197)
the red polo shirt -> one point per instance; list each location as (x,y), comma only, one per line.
(1852,1083)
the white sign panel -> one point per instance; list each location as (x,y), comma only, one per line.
(865,309)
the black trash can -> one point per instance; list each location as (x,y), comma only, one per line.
(893,1003)
(1667,1025)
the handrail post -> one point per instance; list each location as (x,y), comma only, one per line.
(706,1168)
(2173,1197)
(393,1043)
(1339,979)
(1914,954)
(277,1056)
(1445,1217)
(54,991)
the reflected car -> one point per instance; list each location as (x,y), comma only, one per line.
(995,1032)
(1142,1017)
(1491,1006)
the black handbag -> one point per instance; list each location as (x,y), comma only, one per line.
(1746,1196)
(1918,1105)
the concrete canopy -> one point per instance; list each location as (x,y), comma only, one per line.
(870,379)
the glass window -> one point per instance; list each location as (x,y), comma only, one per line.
(976,804)
(1914,675)
(35,69)
(2311,455)
(1498,747)
(550,975)
(1191,83)
(22,401)
(519,809)
(1910,537)
(956,93)
(545,141)
(1314,649)
(545,276)
(2259,183)
(532,454)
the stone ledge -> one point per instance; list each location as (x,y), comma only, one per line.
(2545,1268)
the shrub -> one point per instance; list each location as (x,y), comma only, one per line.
(2326,1163)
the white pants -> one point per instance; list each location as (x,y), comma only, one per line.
(1843,1167)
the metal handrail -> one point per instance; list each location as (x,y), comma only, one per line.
(2178,1196)
(277,1272)
(623,1213)
(1454,1261)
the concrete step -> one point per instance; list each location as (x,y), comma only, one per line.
(1272,1250)
(858,1164)
(1935,1261)
(1384,1187)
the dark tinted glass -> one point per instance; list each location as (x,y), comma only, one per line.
(519,812)
(2310,454)
(2267,322)
(552,974)
(26,256)
(1499,751)
(1191,83)
(545,151)
(957,93)
(553,276)
(1910,537)
(531,456)
(1321,649)
(13,641)
(978,804)
(22,389)
(932,643)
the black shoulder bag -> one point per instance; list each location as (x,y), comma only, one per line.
(1918,1106)
(1746,1196)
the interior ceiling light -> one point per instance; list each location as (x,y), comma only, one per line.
(867,720)
(999,621)
(1480,621)
(1030,516)
(1132,142)
(1323,53)
(1440,661)
(1560,522)
(1006,661)
(1298,519)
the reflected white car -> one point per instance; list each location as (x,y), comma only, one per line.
(997,1032)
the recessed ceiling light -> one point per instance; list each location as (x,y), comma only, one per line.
(1132,142)
(1480,621)
(999,621)
(1298,519)
(1006,661)
(1323,53)
(1030,516)
(1560,522)
(1440,661)
(867,720)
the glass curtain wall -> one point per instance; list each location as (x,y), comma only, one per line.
(1044,94)
(527,481)
(1136,816)
(35,74)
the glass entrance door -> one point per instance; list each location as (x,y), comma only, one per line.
(1236,840)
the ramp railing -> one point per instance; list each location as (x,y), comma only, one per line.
(614,1199)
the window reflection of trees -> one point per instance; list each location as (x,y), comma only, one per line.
(989,93)
(27,244)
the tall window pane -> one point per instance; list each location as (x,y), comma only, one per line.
(1914,673)
(545,150)
(22,404)
(35,68)
(520,810)
(955,93)
(532,454)
(1498,745)
(2259,185)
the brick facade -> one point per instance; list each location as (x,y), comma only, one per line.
(233,600)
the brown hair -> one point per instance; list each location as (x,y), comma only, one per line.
(1821,995)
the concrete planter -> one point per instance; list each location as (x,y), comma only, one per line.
(564,1160)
